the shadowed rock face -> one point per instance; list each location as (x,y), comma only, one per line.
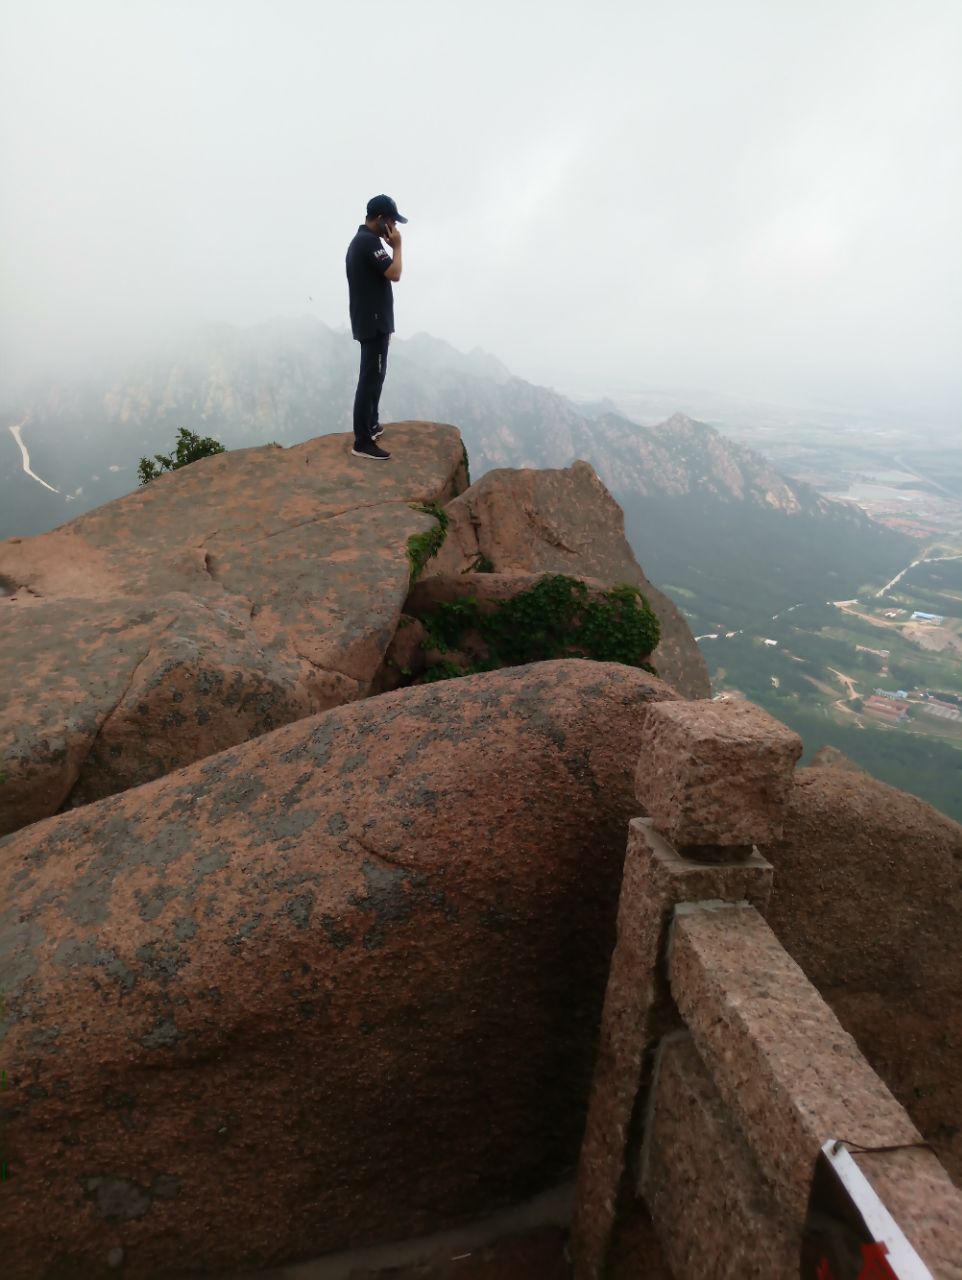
(222,600)
(868,900)
(565,522)
(345,978)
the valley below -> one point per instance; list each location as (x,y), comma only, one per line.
(877,674)
(798,544)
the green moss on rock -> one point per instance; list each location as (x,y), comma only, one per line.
(556,618)
(422,546)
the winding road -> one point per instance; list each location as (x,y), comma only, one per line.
(921,560)
(846,680)
(900,462)
(15,432)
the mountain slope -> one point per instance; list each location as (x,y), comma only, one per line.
(730,538)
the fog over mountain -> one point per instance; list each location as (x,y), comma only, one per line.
(747,552)
(759,199)
(705,514)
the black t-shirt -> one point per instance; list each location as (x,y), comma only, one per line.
(372,298)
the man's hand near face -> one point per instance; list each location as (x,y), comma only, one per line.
(393,237)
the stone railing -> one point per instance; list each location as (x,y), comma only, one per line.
(721,1071)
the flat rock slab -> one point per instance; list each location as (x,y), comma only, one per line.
(216,603)
(564,521)
(337,985)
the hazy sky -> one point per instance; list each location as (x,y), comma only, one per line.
(759,197)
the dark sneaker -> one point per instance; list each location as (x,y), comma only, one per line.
(378,431)
(370,451)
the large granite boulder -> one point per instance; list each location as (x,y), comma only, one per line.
(218,602)
(868,899)
(337,984)
(564,522)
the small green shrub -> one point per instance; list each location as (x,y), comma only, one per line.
(190,447)
(445,628)
(442,671)
(422,546)
(556,618)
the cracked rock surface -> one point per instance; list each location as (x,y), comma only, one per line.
(215,604)
(345,977)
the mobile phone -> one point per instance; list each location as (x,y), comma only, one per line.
(384,228)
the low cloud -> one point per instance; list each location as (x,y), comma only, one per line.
(711,195)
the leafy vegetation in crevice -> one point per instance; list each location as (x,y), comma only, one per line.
(422,546)
(467,466)
(556,618)
(190,447)
(480,564)
(446,671)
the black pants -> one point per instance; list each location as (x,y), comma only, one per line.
(369,383)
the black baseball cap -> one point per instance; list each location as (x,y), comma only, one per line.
(383,206)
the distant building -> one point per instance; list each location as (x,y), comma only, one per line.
(884,709)
(944,710)
(900,695)
(919,616)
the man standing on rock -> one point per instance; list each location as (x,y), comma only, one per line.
(370,270)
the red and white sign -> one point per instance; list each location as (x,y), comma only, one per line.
(849,1234)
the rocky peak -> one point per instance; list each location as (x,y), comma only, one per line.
(681,422)
(255,588)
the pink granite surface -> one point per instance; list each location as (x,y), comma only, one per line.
(716,773)
(636,1011)
(794,1077)
(714,1211)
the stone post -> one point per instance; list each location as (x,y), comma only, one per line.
(714,778)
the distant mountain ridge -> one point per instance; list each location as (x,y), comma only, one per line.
(290,379)
(731,537)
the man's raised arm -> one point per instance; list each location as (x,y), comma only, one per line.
(393,238)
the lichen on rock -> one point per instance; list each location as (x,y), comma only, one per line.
(224,599)
(370,946)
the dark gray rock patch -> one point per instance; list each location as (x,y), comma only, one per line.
(117,1199)
(73,951)
(162,1035)
(299,909)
